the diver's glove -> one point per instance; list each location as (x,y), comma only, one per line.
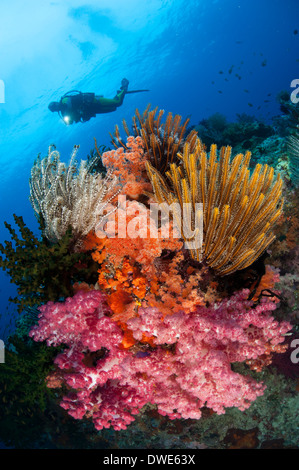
(124,84)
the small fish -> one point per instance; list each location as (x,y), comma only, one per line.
(250,104)
(219,91)
(266,101)
(295,31)
(269,94)
(246,91)
(221,72)
(264,63)
(231,69)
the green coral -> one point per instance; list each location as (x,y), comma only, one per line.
(27,363)
(23,390)
(43,271)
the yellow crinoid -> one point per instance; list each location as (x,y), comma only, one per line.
(237,208)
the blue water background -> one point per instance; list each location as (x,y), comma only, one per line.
(175,48)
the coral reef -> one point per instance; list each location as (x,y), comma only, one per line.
(293,147)
(246,133)
(138,339)
(284,254)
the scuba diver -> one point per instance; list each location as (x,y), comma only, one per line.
(76,106)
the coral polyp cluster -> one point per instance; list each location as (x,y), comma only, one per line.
(187,367)
(142,320)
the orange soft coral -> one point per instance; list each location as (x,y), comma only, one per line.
(129,167)
(139,245)
(133,273)
(171,292)
(268,281)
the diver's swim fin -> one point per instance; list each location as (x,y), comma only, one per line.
(135,91)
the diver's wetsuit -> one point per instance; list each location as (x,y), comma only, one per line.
(83,106)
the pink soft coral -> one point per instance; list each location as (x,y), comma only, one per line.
(93,356)
(187,367)
(207,342)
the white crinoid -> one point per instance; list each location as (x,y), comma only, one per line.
(68,196)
